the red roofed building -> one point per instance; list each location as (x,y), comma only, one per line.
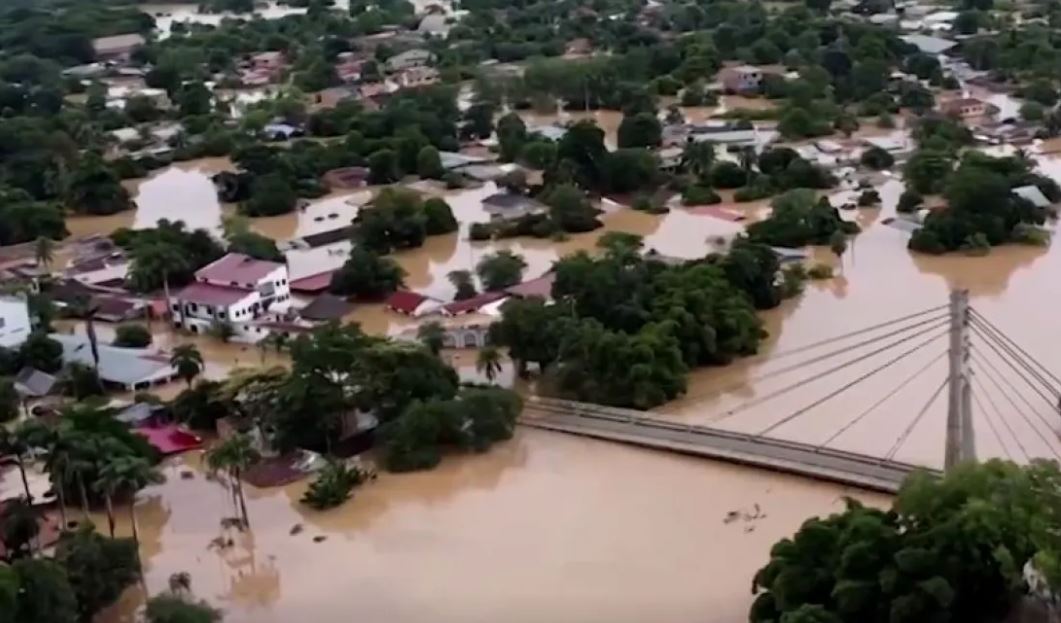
(473,304)
(235,290)
(313,284)
(411,303)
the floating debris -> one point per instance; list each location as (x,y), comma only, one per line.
(296,529)
(319,539)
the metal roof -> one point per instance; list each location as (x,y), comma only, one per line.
(237,268)
(124,366)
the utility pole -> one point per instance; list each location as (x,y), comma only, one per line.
(960,444)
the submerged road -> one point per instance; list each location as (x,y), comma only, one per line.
(633,427)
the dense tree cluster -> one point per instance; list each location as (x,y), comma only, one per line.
(400,219)
(166,255)
(949,549)
(799,218)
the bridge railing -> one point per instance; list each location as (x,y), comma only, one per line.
(632,416)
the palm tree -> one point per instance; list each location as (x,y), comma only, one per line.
(274,340)
(432,335)
(697,158)
(58,466)
(234,455)
(126,475)
(489,362)
(188,362)
(42,250)
(18,443)
(463,281)
(747,159)
(838,244)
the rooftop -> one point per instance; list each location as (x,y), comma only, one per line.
(929,44)
(313,283)
(326,307)
(208,294)
(406,302)
(542,287)
(472,304)
(237,268)
(124,366)
(117,43)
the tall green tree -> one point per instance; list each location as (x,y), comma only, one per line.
(488,362)
(500,270)
(234,456)
(432,335)
(187,361)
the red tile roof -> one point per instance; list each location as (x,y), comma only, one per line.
(405,302)
(237,268)
(469,305)
(313,283)
(206,294)
(542,287)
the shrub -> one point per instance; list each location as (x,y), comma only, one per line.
(754,192)
(333,485)
(820,271)
(909,201)
(1024,233)
(868,198)
(876,158)
(700,195)
(132,335)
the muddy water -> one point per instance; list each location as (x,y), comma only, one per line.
(166,14)
(544,527)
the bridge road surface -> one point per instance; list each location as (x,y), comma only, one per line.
(632,427)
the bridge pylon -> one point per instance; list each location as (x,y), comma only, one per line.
(961,441)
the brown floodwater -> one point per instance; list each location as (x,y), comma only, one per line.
(544,527)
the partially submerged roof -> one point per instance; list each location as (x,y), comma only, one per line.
(313,283)
(405,302)
(237,268)
(472,304)
(117,43)
(326,307)
(137,413)
(929,44)
(1032,194)
(123,366)
(32,383)
(542,287)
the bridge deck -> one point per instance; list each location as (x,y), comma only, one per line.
(633,427)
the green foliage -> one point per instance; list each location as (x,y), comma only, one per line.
(927,170)
(187,361)
(700,195)
(877,159)
(132,335)
(22,219)
(166,254)
(9,400)
(270,195)
(367,275)
(95,189)
(428,163)
(726,174)
(500,270)
(19,528)
(333,485)
(639,130)
(200,407)
(438,217)
(41,352)
(570,210)
(45,594)
(909,201)
(169,608)
(80,381)
(799,218)
(949,549)
(464,283)
(98,568)
(399,219)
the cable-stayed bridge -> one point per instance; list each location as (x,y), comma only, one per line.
(984,385)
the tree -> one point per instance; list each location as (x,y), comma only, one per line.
(799,218)
(464,282)
(432,335)
(94,188)
(698,157)
(640,130)
(726,174)
(821,6)
(41,352)
(428,163)
(43,251)
(9,400)
(511,135)
(187,361)
(569,210)
(44,593)
(132,335)
(367,275)
(877,158)
(438,217)
(99,569)
(271,194)
(80,381)
(170,608)
(500,270)
(235,455)
(19,527)
(488,362)
(909,201)
(838,245)
(383,167)
(194,99)
(333,485)
(125,475)
(927,170)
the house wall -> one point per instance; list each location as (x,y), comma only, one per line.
(14,321)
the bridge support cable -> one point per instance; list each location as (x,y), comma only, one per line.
(865,412)
(838,367)
(980,407)
(1014,359)
(994,430)
(910,428)
(1001,416)
(998,386)
(980,318)
(997,375)
(711,393)
(850,334)
(1051,401)
(847,386)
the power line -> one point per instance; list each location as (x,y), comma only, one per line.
(906,433)
(847,386)
(1015,345)
(991,426)
(996,343)
(1051,403)
(883,399)
(998,386)
(767,375)
(1001,417)
(787,388)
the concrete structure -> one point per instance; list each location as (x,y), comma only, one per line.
(506,206)
(235,290)
(742,78)
(416,77)
(928,44)
(127,368)
(409,59)
(15,324)
(632,427)
(117,48)
(967,107)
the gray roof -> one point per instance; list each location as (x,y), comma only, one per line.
(117,43)
(137,412)
(32,383)
(455,160)
(929,44)
(123,366)
(1033,195)
(511,204)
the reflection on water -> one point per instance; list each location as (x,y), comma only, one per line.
(544,527)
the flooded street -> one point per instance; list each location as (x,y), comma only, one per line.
(545,527)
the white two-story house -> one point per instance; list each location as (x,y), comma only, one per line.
(235,290)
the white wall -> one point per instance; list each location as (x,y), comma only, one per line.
(14,321)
